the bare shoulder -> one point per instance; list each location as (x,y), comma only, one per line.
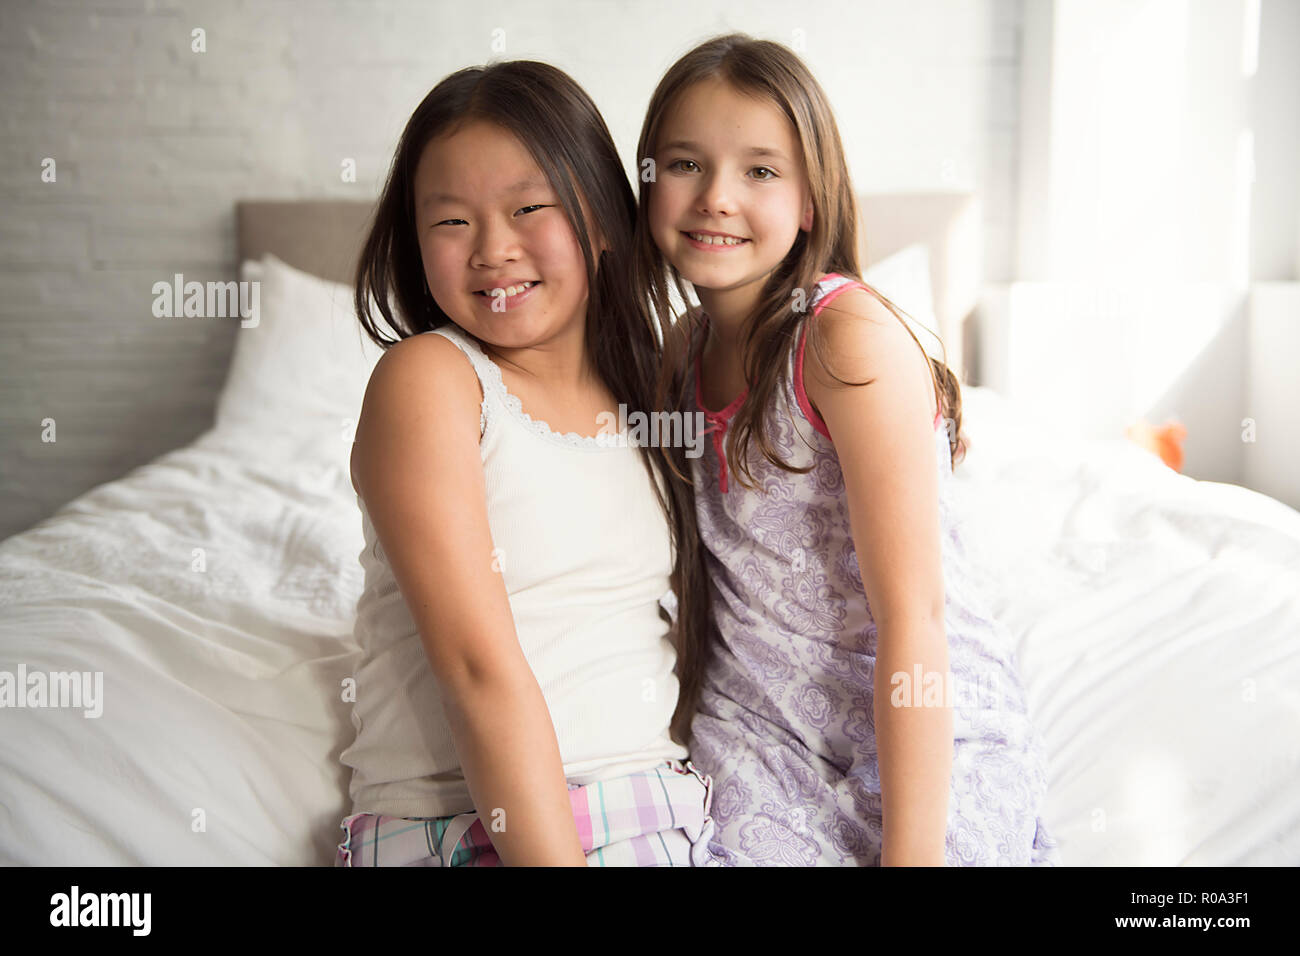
(423,392)
(856,318)
(866,342)
(418,356)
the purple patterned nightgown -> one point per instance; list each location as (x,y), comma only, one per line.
(785,724)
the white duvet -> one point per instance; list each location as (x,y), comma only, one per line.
(1159,633)
(214,589)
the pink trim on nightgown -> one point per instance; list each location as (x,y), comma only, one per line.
(717,426)
(804,404)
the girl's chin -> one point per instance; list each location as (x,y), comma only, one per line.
(518,330)
(718,280)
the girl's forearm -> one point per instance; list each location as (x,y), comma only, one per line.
(511,761)
(914,743)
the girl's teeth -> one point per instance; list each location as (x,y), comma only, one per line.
(511,290)
(715,240)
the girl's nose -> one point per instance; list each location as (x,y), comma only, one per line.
(715,199)
(495,244)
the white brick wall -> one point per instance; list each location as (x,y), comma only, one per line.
(154,143)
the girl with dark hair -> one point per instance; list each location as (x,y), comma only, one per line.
(516,701)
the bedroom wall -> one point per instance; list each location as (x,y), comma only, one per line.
(1160,143)
(152,142)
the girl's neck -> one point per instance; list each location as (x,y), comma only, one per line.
(727,310)
(721,358)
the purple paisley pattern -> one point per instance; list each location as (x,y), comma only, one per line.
(785,724)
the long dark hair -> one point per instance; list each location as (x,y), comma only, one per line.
(561,128)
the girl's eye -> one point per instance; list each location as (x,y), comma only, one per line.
(682,162)
(527,209)
(763,169)
(445,221)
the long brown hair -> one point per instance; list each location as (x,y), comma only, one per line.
(561,128)
(769,70)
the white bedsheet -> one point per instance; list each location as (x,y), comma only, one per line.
(222,687)
(1159,626)
(1158,619)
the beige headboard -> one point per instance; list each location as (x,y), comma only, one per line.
(324,237)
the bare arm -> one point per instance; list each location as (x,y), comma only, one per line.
(416,465)
(883,433)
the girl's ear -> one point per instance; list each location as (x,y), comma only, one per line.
(807,223)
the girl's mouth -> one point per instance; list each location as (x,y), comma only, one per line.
(708,243)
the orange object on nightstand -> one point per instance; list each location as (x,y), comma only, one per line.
(1165,440)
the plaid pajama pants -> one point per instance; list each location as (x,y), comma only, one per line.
(657,817)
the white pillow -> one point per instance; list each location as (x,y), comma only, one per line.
(302,369)
(904,279)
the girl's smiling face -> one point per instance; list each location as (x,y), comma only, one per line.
(730,195)
(499,254)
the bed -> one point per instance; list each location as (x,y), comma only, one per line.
(213,592)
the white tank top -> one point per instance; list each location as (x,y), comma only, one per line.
(586,555)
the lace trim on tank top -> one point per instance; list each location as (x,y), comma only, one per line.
(490,374)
